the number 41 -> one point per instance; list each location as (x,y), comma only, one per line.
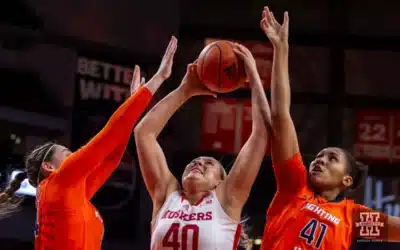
(308,232)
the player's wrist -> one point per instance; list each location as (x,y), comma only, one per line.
(184,92)
(154,83)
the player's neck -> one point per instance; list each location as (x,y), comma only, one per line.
(193,197)
(329,195)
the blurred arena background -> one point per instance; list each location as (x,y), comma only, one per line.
(344,65)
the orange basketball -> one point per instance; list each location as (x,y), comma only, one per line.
(219,68)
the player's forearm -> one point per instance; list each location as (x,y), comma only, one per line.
(102,172)
(245,169)
(156,119)
(117,130)
(394,229)
(154,83)
(280,85)
(259,100)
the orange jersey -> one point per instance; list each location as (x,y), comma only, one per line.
(66,219)
(297,219)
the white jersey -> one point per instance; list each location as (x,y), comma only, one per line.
(203,226)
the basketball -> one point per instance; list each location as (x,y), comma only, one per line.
(219,68)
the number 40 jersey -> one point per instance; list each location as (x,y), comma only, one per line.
(203,226)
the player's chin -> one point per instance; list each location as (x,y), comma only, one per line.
(317,180)
(192,177)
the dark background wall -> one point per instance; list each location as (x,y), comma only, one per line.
(344,57)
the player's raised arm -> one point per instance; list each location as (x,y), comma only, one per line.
(81,163)
(289,170)
(102,172)
(394,229)
(241,177)
(158,179)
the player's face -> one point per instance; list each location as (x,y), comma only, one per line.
(329,170)
(59,155)
(204,172)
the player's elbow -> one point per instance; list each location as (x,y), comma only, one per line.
(280,114)
(280,120)
(146,127)
(140,130)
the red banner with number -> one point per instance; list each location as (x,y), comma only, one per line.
(373,135)
(263,54)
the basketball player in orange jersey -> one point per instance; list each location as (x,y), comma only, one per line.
(309,210)
(203,212)
(65,181)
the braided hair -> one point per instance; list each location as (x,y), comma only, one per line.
(9,202)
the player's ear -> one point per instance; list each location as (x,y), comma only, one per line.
(48,167)
(347,181)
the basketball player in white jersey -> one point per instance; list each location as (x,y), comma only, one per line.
(204,212)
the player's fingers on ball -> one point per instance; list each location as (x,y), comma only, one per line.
(193,67)
(241,48)
(142,81)
(235,45)
(239,53)
(245,50)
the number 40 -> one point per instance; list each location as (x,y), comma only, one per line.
(308,232)
(171,238)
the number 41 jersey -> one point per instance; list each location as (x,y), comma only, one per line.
(203,226)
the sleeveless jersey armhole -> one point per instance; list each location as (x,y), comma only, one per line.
(172,197)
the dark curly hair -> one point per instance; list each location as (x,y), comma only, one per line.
(357,170)
(33,161)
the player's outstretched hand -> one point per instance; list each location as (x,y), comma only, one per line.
(278,34)
(191,84)
(164,71)
(249,62)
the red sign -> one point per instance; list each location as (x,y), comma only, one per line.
(219,125)
(263,54)
(373,135)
